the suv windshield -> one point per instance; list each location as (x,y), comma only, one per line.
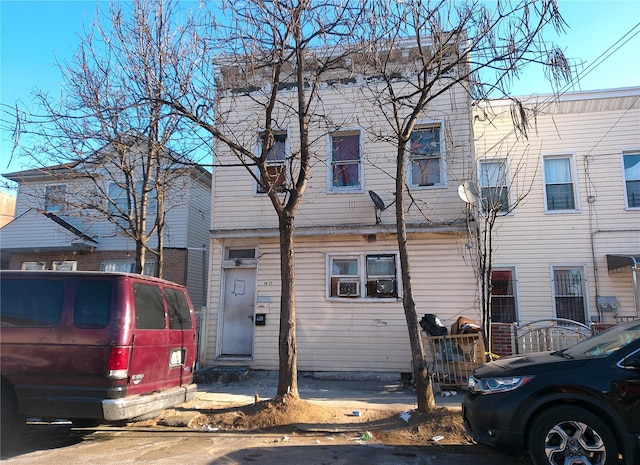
(606,342)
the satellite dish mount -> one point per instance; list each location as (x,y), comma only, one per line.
(379,206)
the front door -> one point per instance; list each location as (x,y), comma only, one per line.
(238,311)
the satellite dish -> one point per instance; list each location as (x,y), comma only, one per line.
(468,192)
(377,201)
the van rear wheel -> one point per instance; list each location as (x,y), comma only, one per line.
(85,422)
(12,424)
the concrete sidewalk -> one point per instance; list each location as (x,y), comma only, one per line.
(367,391)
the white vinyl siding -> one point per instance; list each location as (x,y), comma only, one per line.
(595,129)
(320,207)
(343,334)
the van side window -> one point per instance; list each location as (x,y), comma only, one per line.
(93,304)
(179,317)
(149,306)
(31,302)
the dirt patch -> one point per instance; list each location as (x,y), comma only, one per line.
(441,426)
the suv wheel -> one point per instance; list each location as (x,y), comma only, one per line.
(571,435)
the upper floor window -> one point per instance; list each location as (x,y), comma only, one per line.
(345,161)
(559,183)
(373,276)
(121,203)
(426,157)
(632,179)
(276,159)
(55,197)
(503,296)
(493,185)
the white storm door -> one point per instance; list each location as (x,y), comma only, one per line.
(238,311)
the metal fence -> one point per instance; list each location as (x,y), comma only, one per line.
(452,359)
(547,335)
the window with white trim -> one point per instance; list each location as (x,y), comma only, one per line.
(568,292)
(503,295)
(346,161)
(55,197)
(632,178)
(121,205)
(559,183)
(276,163)
(64,265)
(33,266)
(426,157)
(367,275)
(127,265)
(493,186)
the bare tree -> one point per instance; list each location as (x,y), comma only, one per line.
(272,56)
(110,127)
(450,46)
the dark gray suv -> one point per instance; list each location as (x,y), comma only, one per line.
(578,406)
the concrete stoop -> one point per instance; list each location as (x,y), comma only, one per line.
(221,374)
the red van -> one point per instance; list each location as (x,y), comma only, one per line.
(93,347)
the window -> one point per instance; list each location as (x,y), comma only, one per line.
(31,266)
(127,265)
(120,203)
(503,298)
(93,304)
(632,179)
(66,265)
(493,185)
(345,161)
(179,314)
(149,306)
(55,197)
(569,293)
(233,254)
(22,306)
(355,276)
(426,157)
(275,163)
(559,184)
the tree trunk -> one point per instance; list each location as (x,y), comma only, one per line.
(139,264)
(288,369)
(422,380)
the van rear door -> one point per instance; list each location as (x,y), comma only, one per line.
(161,351)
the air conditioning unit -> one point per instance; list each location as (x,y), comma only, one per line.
(348,288)
(385,286)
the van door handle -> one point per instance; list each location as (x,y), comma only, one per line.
(250,316)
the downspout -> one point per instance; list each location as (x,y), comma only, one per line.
(634,280)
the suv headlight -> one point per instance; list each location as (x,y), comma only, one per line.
(493,385)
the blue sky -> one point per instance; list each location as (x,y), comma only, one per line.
(36,33)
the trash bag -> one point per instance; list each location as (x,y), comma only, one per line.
(432,325)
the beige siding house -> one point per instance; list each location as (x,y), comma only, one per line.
(348,301)
(570,247)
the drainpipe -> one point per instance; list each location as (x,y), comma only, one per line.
(634,279)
